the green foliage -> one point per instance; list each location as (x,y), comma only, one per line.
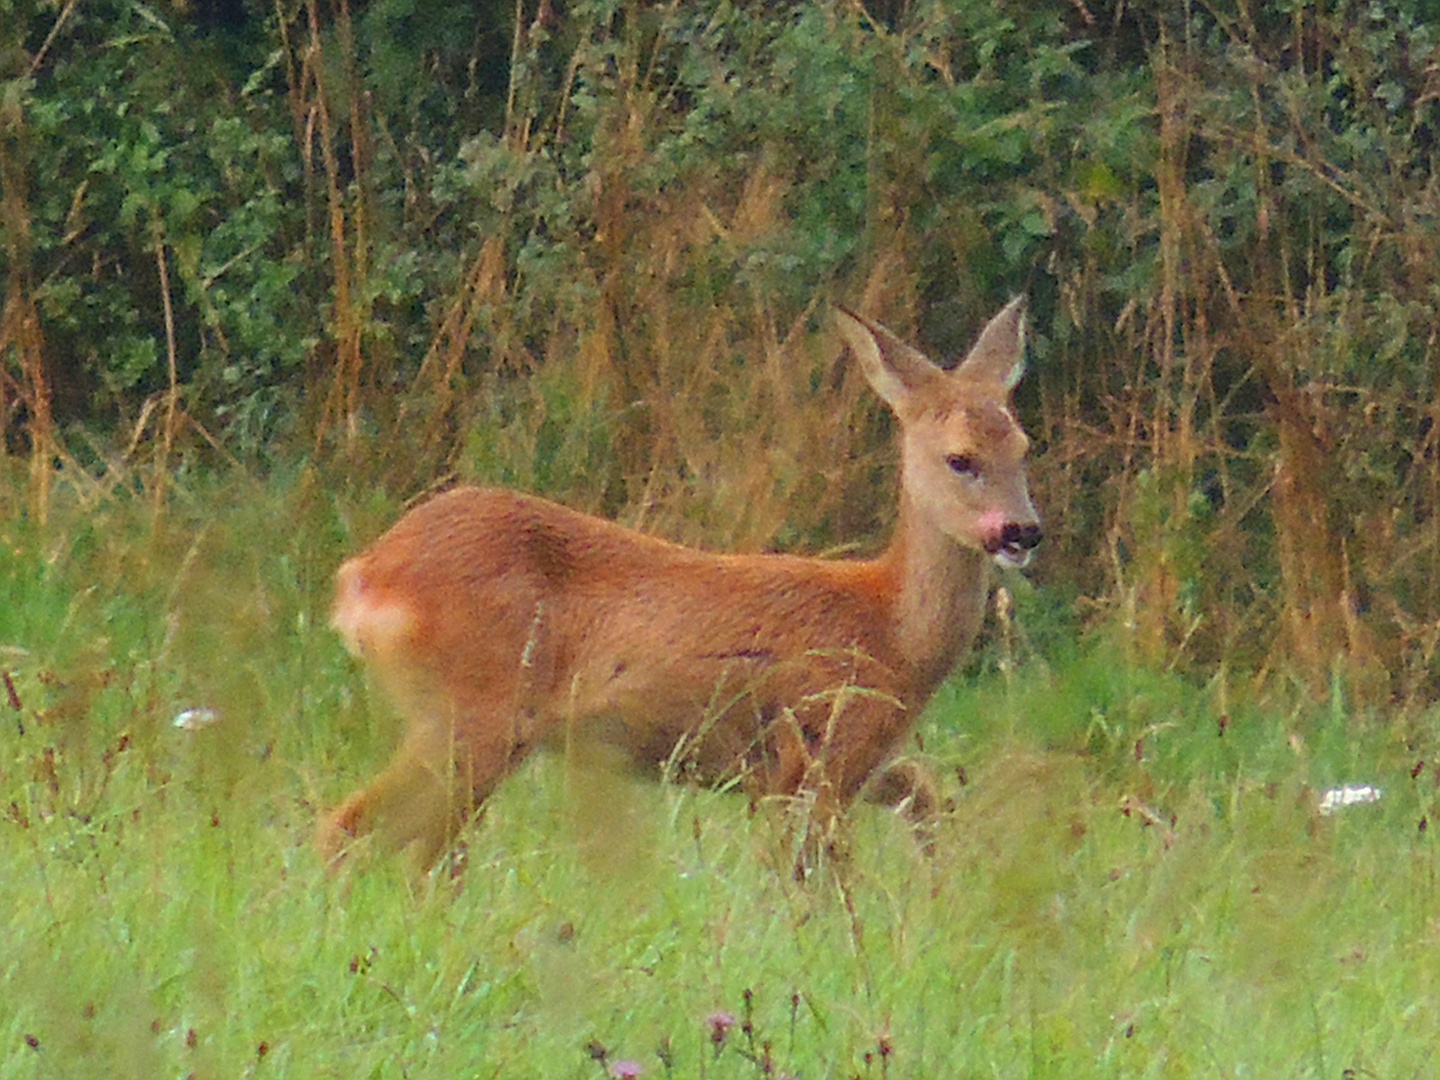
(131,153)
(546,436)
(572,253)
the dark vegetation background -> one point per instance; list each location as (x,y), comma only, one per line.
(588,249)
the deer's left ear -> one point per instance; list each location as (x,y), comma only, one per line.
(999,354)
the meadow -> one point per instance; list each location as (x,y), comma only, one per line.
(1133,878)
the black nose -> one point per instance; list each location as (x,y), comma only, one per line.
(1024,537)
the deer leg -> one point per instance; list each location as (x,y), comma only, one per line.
(848,761)
(908,788)
(808,755)
(411,803)
(421,800)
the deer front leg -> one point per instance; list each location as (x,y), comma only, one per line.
(909,788)
(829,747)
(850,759)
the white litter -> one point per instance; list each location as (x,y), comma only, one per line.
(195,719)
(1348,795)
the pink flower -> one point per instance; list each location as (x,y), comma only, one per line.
(719,1022)
(626,1070)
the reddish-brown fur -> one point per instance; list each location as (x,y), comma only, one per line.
(499,621)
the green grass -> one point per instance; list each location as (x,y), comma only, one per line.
(1122,890)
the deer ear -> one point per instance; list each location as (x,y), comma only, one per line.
(999,354)
(895,370)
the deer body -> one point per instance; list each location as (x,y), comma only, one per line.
(499,621)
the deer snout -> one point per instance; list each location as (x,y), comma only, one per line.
(1012,545)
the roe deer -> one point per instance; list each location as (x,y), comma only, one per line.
(499,621)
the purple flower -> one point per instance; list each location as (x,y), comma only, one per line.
(626,1070)
(719,1022)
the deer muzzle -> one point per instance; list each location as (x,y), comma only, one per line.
(1012,546)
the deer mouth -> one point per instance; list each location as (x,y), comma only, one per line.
(1013,547)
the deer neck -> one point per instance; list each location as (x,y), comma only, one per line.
(940,592)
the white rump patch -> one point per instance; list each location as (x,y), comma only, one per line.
(368,624)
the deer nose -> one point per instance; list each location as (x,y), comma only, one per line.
(1025,537)
(1013,546)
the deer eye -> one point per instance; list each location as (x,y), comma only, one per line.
(963,465)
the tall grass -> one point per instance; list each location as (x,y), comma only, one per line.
(1135,879)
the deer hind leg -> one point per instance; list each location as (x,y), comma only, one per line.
(451,759)
(411,805)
